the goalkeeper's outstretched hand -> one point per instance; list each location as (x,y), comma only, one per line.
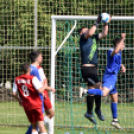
(98,20)
(110,18)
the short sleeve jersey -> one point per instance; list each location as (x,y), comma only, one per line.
(113,62)
(27,87)
(88,49)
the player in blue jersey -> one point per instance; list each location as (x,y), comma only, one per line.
(89,61)
(37,70)
(114,60)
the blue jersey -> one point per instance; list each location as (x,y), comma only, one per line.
(38,72)
(35,72)
(113,63)
(88,49)
(112,69)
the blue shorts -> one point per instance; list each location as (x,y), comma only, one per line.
(109,82)
(42,99)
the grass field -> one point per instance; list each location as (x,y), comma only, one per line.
(68,118)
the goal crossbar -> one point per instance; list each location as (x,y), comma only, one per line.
(60,17)
(54,18)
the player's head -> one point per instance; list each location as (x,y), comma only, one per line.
(117,41)
(25,68)
(82,30)
(36,56)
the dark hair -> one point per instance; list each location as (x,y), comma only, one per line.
(80,29)
(33,55)
(116,41)
(25,67)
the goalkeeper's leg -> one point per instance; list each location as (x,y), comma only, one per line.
(89,74)
(114,110)
(97,95)
(98,103)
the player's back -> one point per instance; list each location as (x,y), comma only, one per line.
(27,92)
(113,63)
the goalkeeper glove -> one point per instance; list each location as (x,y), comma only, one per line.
(98,20)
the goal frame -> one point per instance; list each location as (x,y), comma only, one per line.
(54,18)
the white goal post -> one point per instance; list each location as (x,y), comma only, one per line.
(54,18)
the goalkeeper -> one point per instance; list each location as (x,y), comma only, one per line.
(89,60)
(110,77)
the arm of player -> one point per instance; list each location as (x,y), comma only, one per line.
(92,30)
(118,47)
(38,85)
(14,93)
(104,32)
(43,77)
(123,68)
(45,83)
(48,87)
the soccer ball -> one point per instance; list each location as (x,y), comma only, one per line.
(105,18)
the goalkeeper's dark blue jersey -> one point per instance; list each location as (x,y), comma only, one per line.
(88,49)
(113,62)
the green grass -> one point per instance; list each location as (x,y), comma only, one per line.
(68,115)
(19,130)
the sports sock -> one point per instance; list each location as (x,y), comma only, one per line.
(46,120)
(114,110)
(95,92)
(50,127)
(85,91)
(34,133)
(115,119)
(43,133)
(98,102)
(29,131)
(90,103)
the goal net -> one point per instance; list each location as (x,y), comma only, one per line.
(66,76)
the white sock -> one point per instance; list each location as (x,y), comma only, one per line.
(46,120)
(43,133)
(34,132)
(115,119)
(50,127)
(85,91)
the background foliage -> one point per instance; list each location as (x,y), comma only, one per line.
(17,24)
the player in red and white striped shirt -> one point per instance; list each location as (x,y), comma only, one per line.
(29,88)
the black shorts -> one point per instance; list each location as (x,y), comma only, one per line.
(89,74)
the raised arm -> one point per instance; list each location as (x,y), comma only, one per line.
(92,30)
(119,45)
(104,32)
